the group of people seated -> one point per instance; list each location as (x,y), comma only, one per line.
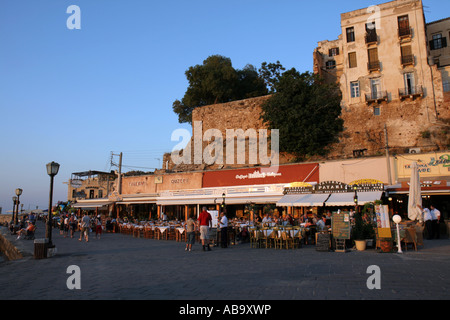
(24,232)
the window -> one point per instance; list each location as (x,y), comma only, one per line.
(333,52)
(100,193)
(351,34)
(446,85)
(331,64)
(374,64)
(352,60)
(371,33)
(376,111)
(438,42)
(354,89)
(409,83)
(407,57)
(404,29)
(375,86)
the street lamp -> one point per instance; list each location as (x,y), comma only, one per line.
(52,171)
(397,219)
(18,193)
(223,202)
(355,198)
(14,209)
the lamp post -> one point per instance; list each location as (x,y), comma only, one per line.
(397,219)
(18,193)
(52,171)
(355,197)
(14,209)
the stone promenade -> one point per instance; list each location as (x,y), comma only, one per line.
(121,267)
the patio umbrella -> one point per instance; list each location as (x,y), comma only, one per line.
(415,194)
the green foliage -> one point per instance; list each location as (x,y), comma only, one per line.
(216,81)
(306,111)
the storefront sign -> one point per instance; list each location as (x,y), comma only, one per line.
(269,175)
(338,187)
(137,183)
(430,165)
(181,180)
(332,187)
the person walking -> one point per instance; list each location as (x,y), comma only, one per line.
(205,222)
(223,224)
(85,224)
(190,233)
(98,227)
(72,224)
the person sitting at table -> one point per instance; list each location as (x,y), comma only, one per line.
(309,230)
(321,224)
(266,219)
(258,219)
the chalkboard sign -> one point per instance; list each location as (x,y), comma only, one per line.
(340,224)
(323,241)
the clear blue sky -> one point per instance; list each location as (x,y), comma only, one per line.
(73,96)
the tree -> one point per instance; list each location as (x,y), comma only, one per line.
(306,111)
(216,81)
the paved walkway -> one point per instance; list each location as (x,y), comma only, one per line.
(122,267)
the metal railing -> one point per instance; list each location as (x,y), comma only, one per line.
(407,60)
(376,96)
(374,65)
(404,32)
(410,91)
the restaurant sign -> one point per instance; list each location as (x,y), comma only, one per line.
(337,187)
(429,165)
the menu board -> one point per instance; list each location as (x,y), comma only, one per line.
(215,216)
(340,224)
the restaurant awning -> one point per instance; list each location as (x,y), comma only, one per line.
(312,200)
(289,199)
(91,204)
(347,198)
(243,199)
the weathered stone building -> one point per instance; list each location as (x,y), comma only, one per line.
(389,87)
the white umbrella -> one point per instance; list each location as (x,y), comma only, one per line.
(415,194)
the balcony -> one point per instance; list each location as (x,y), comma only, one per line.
(404,33)
(371,37)
(374,66)
(376,97)
(407,60)
(410,92)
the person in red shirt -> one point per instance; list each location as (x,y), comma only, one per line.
(205,222)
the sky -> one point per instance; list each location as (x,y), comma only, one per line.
(77,96)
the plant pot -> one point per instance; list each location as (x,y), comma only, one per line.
(360,245)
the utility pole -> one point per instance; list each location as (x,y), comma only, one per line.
(119,180)
(388,161)
(119,187)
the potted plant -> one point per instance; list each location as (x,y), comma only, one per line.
(359,233)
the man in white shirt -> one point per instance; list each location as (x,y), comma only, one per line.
(428,219)
(436,214)
(266,219)
(223,224)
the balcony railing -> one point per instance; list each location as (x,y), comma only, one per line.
(371,37)
(410,92)
(407,60)
(404,32)
(376,97)
(374,65)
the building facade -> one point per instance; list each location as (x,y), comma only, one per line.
(381,62)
